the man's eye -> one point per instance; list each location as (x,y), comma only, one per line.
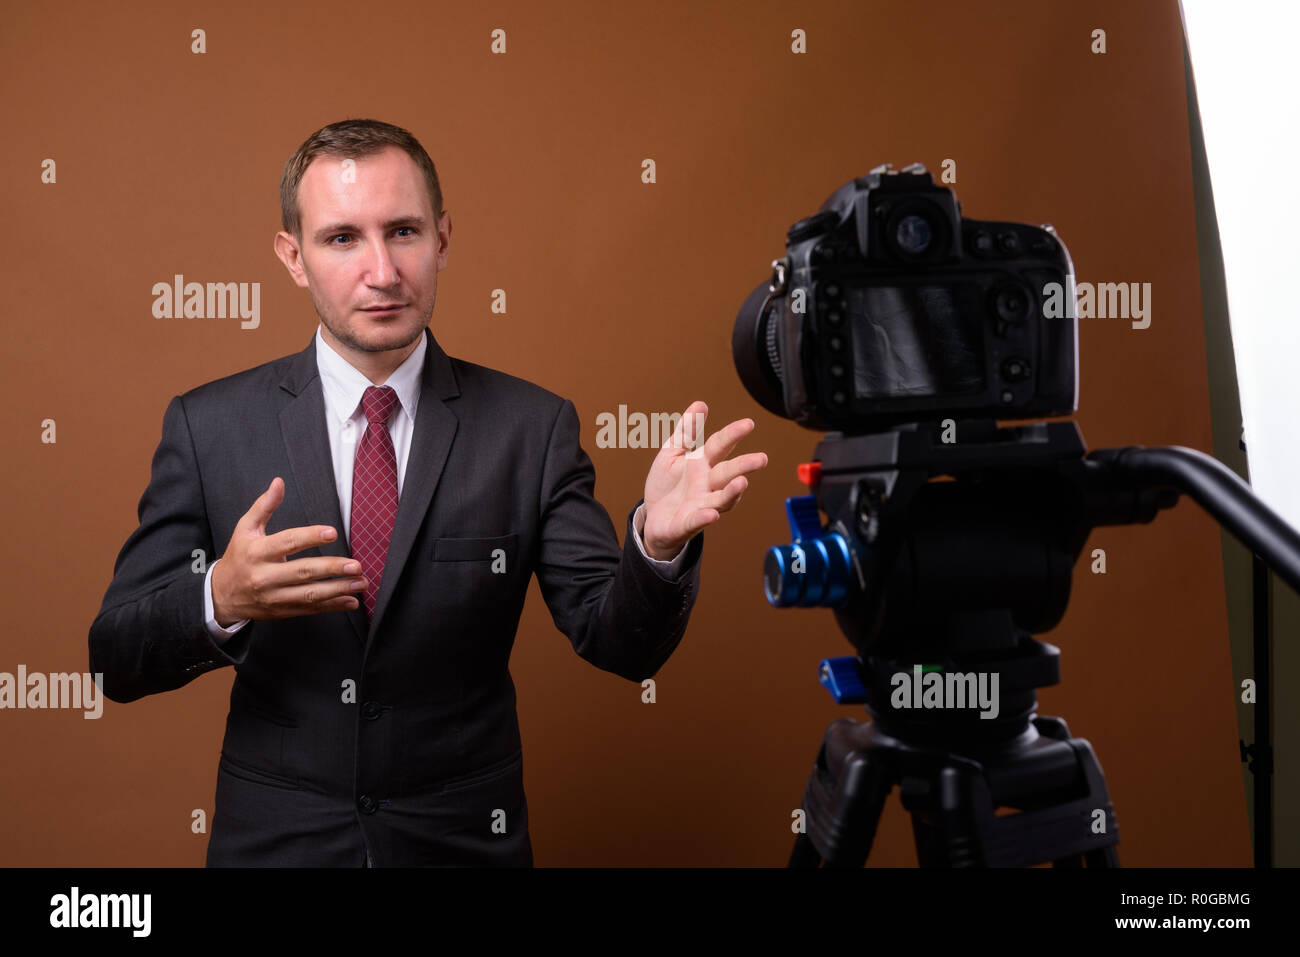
(339,236)
(409,229)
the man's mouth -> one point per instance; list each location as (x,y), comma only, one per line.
(382,309)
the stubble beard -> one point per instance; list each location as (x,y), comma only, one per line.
(340,331)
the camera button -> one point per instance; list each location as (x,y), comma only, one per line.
(1015,369)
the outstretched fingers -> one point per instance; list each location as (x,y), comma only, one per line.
(725,498)
(724,472)
(720,443)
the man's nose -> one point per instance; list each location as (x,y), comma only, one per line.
(382,272)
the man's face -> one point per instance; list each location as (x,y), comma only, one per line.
(370,251)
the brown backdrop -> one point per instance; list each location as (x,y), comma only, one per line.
(619,292)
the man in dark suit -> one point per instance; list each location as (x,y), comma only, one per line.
(372,717)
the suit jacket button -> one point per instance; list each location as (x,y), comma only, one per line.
(371,710)
(367,804)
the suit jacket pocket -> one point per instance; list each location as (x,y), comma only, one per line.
(491,550)
(483,776)
(246,772)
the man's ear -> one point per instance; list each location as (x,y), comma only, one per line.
(290,253)
(444,238)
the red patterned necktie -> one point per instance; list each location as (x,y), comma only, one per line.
(374,490)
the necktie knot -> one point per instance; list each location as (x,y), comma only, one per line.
(378,403)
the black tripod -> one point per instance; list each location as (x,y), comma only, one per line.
(951,579)
(952,789)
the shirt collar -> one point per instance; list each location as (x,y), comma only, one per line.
(342,384)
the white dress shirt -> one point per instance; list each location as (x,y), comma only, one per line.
(342,386)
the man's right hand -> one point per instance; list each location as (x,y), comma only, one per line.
(255,580)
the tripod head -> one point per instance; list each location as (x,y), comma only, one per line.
(948,545)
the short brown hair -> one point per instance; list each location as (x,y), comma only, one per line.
(351,139)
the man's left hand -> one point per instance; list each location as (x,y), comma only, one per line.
(691,484)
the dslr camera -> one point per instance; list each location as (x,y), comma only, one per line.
(889,307)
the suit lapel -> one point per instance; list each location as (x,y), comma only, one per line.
(306,440)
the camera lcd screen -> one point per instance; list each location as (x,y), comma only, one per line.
(917,340)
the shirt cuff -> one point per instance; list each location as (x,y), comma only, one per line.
(671,568)
(218,633)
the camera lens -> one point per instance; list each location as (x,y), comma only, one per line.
(913,235)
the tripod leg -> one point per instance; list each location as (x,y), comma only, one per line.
(931,850)
(962,791)
(843,800)
(805,853)
(1103,857)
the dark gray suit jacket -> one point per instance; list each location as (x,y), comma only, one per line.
(421,763)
